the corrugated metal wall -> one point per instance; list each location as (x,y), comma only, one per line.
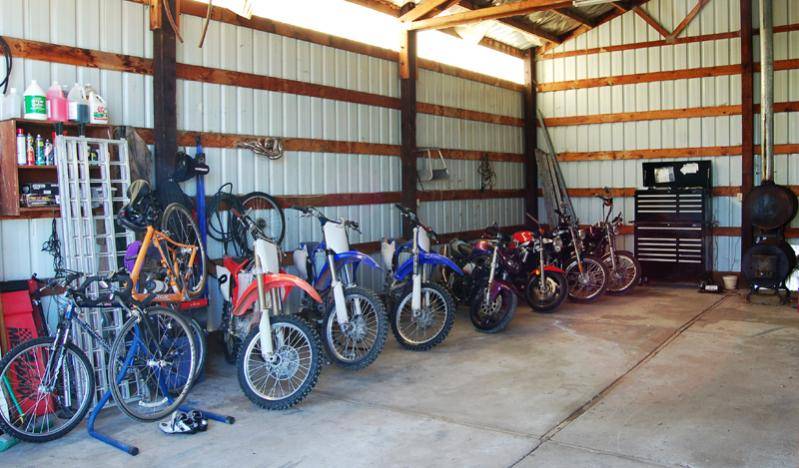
(122,27)
(717,17)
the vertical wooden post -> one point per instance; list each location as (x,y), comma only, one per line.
(408,73)
(530,135)
(747,119)
(164,102)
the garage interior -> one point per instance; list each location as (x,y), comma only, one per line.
(473,114)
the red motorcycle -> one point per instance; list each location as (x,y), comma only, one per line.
(519,266)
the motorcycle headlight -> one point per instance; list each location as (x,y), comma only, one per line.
(581,233)
(557,244)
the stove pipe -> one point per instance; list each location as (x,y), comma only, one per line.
(766,89)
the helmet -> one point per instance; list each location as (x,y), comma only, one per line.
(142,209)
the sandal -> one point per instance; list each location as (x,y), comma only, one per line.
(179,423)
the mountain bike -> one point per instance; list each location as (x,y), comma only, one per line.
(353,320)
(48,383)
(422,312)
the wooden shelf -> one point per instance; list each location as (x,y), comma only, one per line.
(36,168)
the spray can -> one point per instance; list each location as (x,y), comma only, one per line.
(29,151)
(39,151)
(22,156)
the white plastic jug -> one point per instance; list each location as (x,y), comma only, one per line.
(35,102)
(98,111)
(12,105)
(78,104)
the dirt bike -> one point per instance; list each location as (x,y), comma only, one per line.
(600,241)
(422,312)
(353,319)
(586,274)
(279,357)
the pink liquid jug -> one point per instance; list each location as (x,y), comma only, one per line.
(57,104)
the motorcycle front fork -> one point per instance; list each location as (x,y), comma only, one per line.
(491,274)
(337,285)
(611,249)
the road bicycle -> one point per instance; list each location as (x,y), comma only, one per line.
(279,354)
(422,312)
(600,240)
(353,320)
(48,383)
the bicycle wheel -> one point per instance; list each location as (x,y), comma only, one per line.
(357,343)
(283,381)
(201,343)
(267,213)
(178,223)
(430,325)
(152,364)
(35,407)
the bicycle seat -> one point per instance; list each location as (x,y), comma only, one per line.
(141,211)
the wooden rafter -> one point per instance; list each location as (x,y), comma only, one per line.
(575,15)
(383,6)
(518,24)
(422,10)
(506,10)
(651,21)
(687,20)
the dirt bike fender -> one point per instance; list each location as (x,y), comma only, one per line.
(426,258)
(272,281)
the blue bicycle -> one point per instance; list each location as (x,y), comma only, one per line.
(47,384)
(353,322)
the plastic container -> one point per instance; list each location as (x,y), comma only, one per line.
(35,106)
(22,151)
(57,104)
(12,105)
(78,104)
(98,111)
(730,282)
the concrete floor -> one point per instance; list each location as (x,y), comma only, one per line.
(665,376)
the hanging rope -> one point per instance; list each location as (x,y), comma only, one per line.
(270,147)
(486,172)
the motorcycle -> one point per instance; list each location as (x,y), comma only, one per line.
(279,357)
(422,312)
(586,274)
(547,287)
(353,320)
(600,240)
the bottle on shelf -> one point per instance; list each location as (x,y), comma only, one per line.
(39,151)
(98,111)
(35,102)
(30,153)
(78,104)
(22,152)
(57,104)
(10,109)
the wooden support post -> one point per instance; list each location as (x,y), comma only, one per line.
(408,73)
(747,119)
(530,135)
(164,103)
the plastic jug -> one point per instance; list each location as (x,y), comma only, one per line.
(57,104)
(78,104)
(12,105)
(35,102)
(98,112)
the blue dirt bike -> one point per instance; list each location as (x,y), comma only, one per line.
(352,320)
(422,312)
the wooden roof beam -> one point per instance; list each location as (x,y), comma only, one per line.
(575,15)
(651,21)
(518,24)
(687,20)
(506,10)
(423,10)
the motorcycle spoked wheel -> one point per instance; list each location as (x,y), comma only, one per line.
(492,316)
(589,285)
(626,275)
(431,326)
(360,341)
(551,296)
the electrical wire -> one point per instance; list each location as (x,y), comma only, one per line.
(53,246)
(7,58)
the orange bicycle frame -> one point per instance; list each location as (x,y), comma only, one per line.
(156,238)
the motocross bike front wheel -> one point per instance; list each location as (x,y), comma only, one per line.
(492,316)
(588,285)
(357,343)
(424,329)
(289,375)
(549,296)
(625,276)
